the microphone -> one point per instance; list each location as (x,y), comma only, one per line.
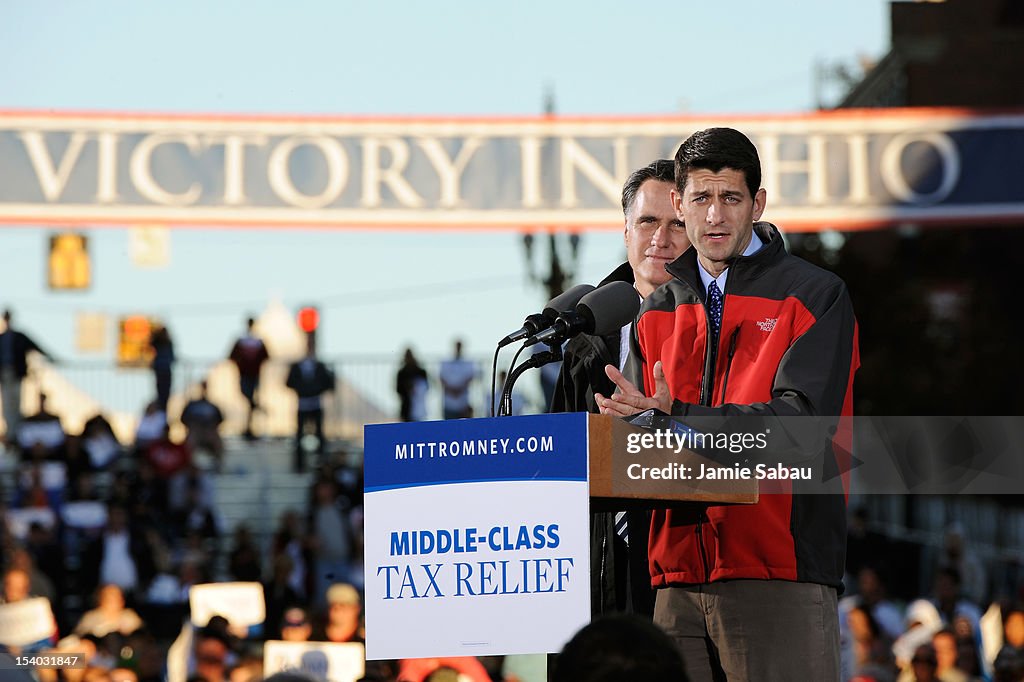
(600,312)
(540,321)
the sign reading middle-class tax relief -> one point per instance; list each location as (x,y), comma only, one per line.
(843,170)
(476,536)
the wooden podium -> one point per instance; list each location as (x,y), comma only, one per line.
(612,486)
(469,518)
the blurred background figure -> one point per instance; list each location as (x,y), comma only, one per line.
(40,435)
(456,376)
(619,647)
(342,622)
(110,615)
(411,385)
(331,537)
(295,625)
(14,349)
(203,419)
(99,443)
(957,555)
(249,353)
(310,379)
(162,363)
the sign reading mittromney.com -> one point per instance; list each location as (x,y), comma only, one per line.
(476,536)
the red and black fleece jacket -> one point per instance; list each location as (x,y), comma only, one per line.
(787,347)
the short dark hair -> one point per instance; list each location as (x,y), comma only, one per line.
(662,169)
(714,149)
(620,647)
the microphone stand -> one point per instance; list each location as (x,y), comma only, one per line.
(552,354)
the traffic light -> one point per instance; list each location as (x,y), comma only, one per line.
(68,264)
(309,319)
(133,349)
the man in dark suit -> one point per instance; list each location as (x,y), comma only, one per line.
(310,379)
(14,349)
(654,237)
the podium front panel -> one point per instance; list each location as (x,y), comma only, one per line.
(476,536)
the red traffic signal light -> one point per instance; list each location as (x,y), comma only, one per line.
(309,319)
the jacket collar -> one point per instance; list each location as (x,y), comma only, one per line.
(742,268)
(623,273)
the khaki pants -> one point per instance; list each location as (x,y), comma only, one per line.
(753,630)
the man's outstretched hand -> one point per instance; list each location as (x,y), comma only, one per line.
(629,400)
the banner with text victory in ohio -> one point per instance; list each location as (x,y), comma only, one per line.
(476,536)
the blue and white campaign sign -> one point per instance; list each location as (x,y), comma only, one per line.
(476,536)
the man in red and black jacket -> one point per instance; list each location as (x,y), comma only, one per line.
(744,329)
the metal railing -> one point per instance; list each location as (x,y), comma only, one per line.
(364,393)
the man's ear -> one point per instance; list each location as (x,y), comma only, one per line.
(760,199)
(677,202)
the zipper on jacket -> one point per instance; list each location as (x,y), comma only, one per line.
(707,389)
(728,364)
(701,549)
(707,384)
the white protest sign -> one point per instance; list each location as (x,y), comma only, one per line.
(84,514)
(19,520)
(240,603)
(26,622)
(326,661)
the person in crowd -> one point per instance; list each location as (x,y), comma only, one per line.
(343,620)
(457,668)
(922,620)
(212,656)
(924,666)
(41,435)
(411,385)
(40,584)
(310,379)
(15,347)
(738,584)
(457,375)
(167,456)
(871,595)
(110,615)
(119,556)
(100,444)
(945,645)
(654,237)
(249,353)
(295,625)
(202,419)
(619,647)
(244,560)
(278,594)
(16,585)
(949,600)
(331,538)
(151,427)
(162,364)
(957,555)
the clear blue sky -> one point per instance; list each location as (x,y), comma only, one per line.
(440,57)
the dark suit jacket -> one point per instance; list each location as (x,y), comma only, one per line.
(21,345)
